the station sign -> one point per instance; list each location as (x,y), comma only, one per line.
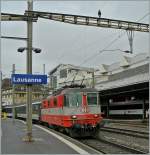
(28,79)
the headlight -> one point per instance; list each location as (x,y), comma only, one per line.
(74,116)
(95,115)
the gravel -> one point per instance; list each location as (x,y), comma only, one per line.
(137,143)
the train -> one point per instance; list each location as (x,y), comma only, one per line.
(126,110)
(74,110)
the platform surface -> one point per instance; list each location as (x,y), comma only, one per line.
(45,143)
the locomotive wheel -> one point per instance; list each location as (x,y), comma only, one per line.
(61,129)
(96,133)
(46,124)
(71,134)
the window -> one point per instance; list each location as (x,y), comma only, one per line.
(55,101)
(75,99)
(69,70)
(63,73)
(66,100)
(49,102)
(92,98)
(21,95)
(35,108)
(53,81)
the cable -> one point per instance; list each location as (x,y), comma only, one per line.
(73,43)
(112,42)
(143,17)
(81,47)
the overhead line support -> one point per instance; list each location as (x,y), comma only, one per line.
(91,21)
(16,17)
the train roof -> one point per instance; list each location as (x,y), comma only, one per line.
(73,90)
(21,105)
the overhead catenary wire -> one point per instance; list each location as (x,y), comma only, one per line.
(106,47)
(111,43)
(143,17)
(82,48)
(74,76)
(64,51)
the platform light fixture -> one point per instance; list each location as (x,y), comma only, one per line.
(29,49)
(36,50)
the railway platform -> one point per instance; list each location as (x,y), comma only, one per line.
(134,121)
(45,141)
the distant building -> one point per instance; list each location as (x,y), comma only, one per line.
(6,83)
(66,74)
(38,93)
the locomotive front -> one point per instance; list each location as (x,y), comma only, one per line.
(74,110)
(82,111)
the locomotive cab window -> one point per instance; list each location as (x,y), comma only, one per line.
(49,103)
(66,100)
(55,101)
(92,98)
(75,99)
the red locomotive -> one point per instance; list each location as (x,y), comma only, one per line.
(74,110)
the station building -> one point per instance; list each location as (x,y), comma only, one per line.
(124,92)
(66,74)
(123,86)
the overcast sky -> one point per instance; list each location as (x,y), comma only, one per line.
(71,44)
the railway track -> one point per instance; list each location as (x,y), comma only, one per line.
(128,132)
(108,147)
(75,141)
(101,145)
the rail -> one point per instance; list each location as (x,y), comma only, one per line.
(128,132)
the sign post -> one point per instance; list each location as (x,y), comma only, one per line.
(29,80)
(29,71)
(13,94)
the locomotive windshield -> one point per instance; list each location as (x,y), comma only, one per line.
(73,99)
(92,98)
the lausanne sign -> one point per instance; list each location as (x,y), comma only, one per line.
(28,79)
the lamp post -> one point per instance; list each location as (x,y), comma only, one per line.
(29,69)
(29,87)
(0,89)
(13,94)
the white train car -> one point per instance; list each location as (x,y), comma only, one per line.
(126,112)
